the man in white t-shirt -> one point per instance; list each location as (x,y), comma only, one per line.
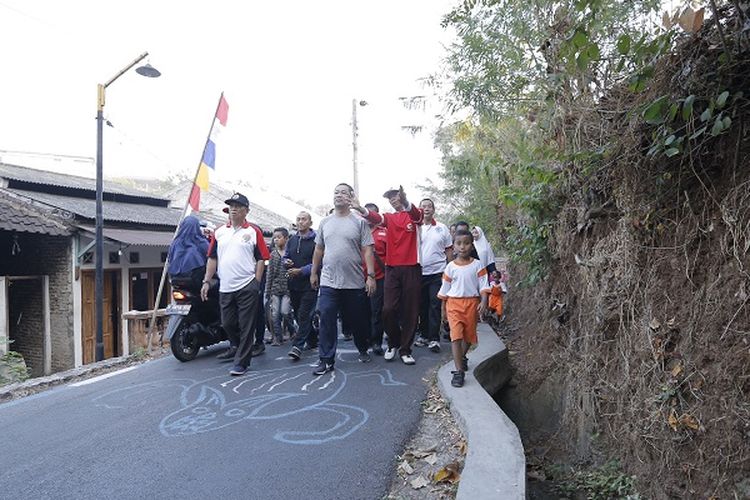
(239,252)
(436,249)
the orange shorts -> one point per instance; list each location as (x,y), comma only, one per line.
(463,318)
(496,302)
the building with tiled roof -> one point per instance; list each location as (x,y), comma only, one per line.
(47,228)
(212,205)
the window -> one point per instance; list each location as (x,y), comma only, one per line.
(114,257)
(135,257)
(144,285)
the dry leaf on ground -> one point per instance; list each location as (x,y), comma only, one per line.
(433,408)
(672,420)
(690,422)
(406,467)
(419,482)
(463,447)
(448,473)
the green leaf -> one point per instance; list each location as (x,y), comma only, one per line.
(593,51)
(718,127)
(706,115)
(722,99)
(671,152)
(669,140)
(579,38)
(582,61)
(673,111)
(623,44)
(654,113)
(727,122)
(687,107)
(636,84)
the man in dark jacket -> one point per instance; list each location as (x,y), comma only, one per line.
(298,260)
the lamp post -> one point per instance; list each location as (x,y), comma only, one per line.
(355,133)
(147,71)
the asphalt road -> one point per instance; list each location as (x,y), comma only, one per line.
(166,429)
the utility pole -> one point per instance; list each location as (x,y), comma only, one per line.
(355,133)
(354,146)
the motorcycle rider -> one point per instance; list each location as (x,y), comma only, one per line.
(188,253)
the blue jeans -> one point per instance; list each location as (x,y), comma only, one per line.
(352,304)
(280,308)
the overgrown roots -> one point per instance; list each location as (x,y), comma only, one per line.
(651,289)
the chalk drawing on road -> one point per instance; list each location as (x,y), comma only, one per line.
(261,396)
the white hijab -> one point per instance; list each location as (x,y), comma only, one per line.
(486,255)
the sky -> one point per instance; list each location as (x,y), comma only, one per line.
(289,71)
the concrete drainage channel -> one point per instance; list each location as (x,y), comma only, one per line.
(495,466)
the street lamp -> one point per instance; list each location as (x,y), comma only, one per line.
(355,133)
(147,71)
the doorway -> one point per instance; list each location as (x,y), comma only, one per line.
(111,317)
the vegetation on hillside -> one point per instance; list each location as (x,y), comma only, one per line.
(604,149)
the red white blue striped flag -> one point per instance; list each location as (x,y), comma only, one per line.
(208,161)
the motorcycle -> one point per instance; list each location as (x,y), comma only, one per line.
(193,323)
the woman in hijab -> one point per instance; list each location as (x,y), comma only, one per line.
(188,251)
(484,250)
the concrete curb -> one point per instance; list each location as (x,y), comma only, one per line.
(495,465)
(34,385)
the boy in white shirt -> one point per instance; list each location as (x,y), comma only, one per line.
(464,294)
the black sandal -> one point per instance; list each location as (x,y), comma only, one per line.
(458,379)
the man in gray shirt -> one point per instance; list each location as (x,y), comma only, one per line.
(343,241)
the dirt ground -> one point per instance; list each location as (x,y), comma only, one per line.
(431,464)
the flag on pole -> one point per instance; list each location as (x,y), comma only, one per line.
(208,161)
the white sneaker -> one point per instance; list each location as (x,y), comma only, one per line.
(434,346)
(390,353)
(408,359)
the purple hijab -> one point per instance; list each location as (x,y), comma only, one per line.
(189,247)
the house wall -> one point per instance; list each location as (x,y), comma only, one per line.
(45,255)
(55,256)
(25,302)
(148,258)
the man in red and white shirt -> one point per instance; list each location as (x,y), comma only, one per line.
(436,247)
(403,276)
(239,252)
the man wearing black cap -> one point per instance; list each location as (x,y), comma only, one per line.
(403,275)
(238,251)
